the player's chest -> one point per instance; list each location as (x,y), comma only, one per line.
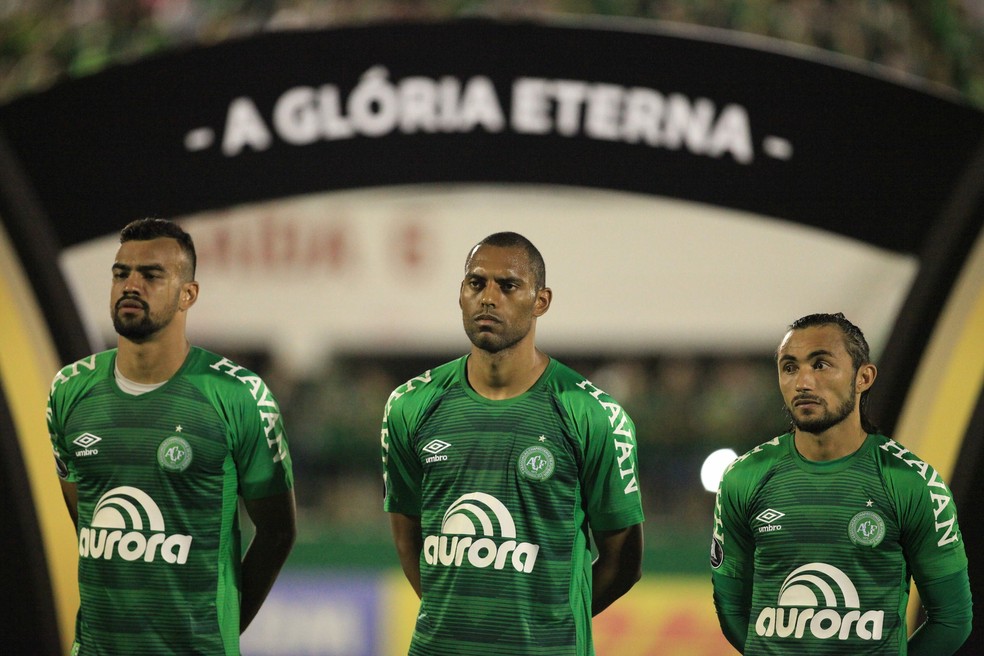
(793,513)
(507,447)
(132,438)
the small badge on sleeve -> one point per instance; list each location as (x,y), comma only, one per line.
(717,553)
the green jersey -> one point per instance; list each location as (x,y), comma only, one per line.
(506,492)
(829,548)
(158,476)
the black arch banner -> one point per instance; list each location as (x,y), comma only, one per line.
(650,110)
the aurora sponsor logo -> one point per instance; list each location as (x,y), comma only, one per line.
(478,529)
(128,524)
(820,599)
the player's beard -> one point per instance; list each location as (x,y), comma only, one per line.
(494,342)
(827,420)
(146,326)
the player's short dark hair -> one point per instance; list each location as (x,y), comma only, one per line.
(854,342)
(147,229)
(513,240)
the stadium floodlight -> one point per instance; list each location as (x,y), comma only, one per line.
(713,468)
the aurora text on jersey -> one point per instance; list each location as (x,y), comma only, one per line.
(823,552)
(158,478)
(506,491)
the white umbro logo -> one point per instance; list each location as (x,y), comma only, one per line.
(769,515)
(85,440)
(436,446)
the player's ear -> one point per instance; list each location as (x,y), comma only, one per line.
(189,294)
(542,302)
(865,377)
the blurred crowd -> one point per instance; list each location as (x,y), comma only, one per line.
(42,41)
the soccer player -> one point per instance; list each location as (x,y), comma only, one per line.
(155,441)
(818,532)
(496,466)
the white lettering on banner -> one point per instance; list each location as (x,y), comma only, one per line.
(378,106)
(620,428)
(940,500)
(244,127)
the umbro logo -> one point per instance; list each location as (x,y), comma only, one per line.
(434,447)
(86,441)
(767,517)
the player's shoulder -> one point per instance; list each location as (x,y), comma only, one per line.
(424,387)
(754,462)
(83,372)
(901,464)
(212,371)
(573,387)
(586,406)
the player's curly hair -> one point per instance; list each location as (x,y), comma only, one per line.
(857,348)
(153,228)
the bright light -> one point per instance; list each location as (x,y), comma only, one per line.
(713,468)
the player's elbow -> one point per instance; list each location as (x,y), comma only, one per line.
(631,574)
(280,538)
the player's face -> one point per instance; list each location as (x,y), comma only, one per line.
(498,301)
(817,378)
(147,287)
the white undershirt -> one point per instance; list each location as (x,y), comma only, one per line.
(131,387)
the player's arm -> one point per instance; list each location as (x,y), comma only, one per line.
(733,603)
(732,561)
(63,463)
(275,519)
(70,492)
(409,542)
(618,566)
(949,613)
(936,556)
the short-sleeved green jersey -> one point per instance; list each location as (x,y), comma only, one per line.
(829,548)
(506,492)
(158,476)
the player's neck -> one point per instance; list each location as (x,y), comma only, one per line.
(506,374)
(152,361)
(836,442)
